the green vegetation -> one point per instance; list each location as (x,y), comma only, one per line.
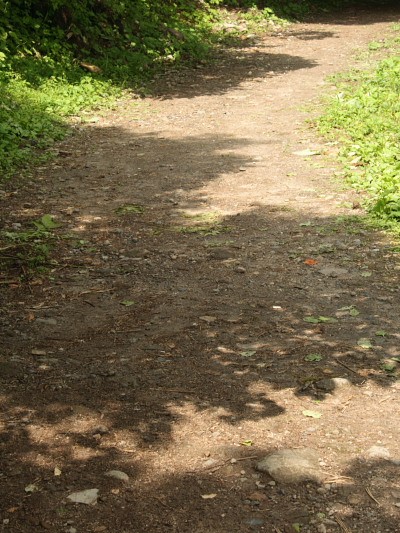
(59,58)
(28,250)
(364,116)
(205,224)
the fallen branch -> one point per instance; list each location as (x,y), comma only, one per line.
(236,460)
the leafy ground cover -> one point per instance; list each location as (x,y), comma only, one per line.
(364,115)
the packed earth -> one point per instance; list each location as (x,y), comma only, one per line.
(215,346)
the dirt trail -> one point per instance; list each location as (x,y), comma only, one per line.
(170,342)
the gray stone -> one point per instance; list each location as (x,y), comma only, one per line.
(209,463)
(330,384)
(292,465)
(117,474)
(88,497)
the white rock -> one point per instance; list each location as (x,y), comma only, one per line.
(88,497)
(379,452)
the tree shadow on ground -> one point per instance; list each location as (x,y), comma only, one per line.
(175,313)
(359,14)
(252,63)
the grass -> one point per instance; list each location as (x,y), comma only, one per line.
(27,251)
(205,224)
(35,115)
(364,115)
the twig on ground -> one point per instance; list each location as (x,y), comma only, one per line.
(237,460)
(95,290)
(161,501)
(346,404)
(345,366)
(336,479)
(371,496)
(245,458)
(385,399)
(343,525)
(176,390)
(213,469)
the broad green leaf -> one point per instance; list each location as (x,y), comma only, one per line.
(296,527)
(389,367)
(46,223)
(248,353)
(354,312)
(247,443)
(129,208)
(381,333)
(313,357)
(311,319)
(364,343)
(326,319)
(127,303)
(317,320)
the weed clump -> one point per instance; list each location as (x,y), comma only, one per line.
(364,116)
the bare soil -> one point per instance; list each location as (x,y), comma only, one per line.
(169,340)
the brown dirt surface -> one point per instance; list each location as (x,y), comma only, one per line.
(169,340)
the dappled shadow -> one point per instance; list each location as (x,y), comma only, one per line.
(169,331)
(165,314)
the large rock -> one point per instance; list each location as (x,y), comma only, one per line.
(292,465)
(332,384)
